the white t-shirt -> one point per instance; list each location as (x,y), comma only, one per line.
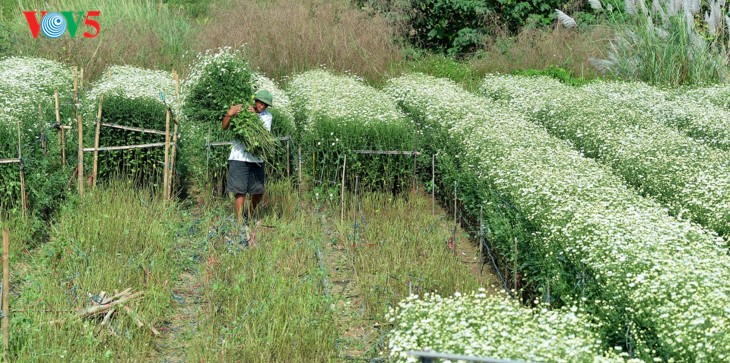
(238,151)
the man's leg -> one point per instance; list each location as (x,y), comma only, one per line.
(240,201)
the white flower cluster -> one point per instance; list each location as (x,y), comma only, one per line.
(664,274)
(689,177)
(26,82)
(132,83)
(41,75)
(697,118)
(478,324)
(225,59)
(320,94)
(719,95)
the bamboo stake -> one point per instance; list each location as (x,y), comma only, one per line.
(455,219)
(514,268)
(61,135)
(342,194)
(481,233)
(96,140)
(414,182)
(165,177)
(42,129)
(6,291)
(288,162)
(207,156)
(22,174)
(81,154)
(172,161)
(300,171)
(81,78)
(354,210)
(433,185)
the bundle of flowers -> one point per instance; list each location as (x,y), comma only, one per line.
(131,97)
(477,324)
(339,114)
(659,284)
(218,79)
(691,178)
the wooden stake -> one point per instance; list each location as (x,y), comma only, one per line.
(170,178)
(455,219)
(342,194)
(42,129)
(61,135)
(207,156)
(6,291)
(81,154)
(354,210)
(288,162)
(481,233)
(514,268)
(166,181)
(22,174)
(414,182)
(300,171)
(433,185)
(81,78)
(96,140)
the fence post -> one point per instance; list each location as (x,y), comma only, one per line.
(342,193)
(433,185)
(455,225)
(172,159)
(81,154)
(166,181)
(207,156)
(6,291)
(96,140)
(22,174)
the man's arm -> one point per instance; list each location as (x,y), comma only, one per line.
(230,113)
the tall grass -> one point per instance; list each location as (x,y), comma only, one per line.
(114,238)
(143,33)
(667,43)
(287,36)
(265,304)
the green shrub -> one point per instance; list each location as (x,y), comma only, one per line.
(26,84)
(132,97)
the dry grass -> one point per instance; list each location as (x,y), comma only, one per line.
(289,36)
(540,49)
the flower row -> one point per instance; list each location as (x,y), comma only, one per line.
(659,280)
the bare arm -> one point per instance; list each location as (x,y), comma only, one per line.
(235,109)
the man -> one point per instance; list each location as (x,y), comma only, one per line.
(246,171)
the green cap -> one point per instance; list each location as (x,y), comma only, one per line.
(265,97)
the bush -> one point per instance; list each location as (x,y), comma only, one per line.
(26,84)
(132,97)
(336,115)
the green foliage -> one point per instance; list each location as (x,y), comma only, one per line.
(558,73)
(194,8)
(669,44)
(248,129)
(116,237)
(131,97)
(217,80)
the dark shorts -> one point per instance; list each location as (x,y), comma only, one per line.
(245,178)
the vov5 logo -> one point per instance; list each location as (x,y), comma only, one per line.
(53,25)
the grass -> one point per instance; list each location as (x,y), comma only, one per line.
(114,238)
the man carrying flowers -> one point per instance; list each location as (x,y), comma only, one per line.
(250,146)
